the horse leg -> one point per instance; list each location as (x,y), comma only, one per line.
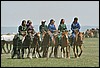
(55,51)
(10,47)
(18,54)
(74,51)
(14,52)
(43,52)
(3,49)
(68,51)
(81,50)
(30,52)
(77,49)
(62,52)
(7,47)
(47,52)
(33,51)
(51,52)
(28,55)
(22,50)
(38,51)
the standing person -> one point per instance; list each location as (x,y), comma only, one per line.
(52,28)
(75,25)
(22,29)
(42,28)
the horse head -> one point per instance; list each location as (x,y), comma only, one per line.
(81,37)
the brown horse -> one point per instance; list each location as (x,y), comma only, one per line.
(89,33)
(79,36)
(45,43)
(54,43)
(36,44)
(65,44)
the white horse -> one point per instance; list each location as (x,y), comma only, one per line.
(8,39)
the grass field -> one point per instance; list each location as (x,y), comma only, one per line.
(89,58)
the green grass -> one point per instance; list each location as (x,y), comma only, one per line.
(89,58)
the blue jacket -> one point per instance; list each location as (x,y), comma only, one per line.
(75,26)
(51,28)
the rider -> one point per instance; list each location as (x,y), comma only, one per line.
(22,29)
(30,28)
(52,28)
(75,25)
(43,27)
(62,27)
(28,21)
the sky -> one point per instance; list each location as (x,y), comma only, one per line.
(13,12)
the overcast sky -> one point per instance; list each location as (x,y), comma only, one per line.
(13,12)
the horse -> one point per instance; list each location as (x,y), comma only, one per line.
(27,43)
(36,44)
(8,39)
(89,33)
(19,44)
(2,46)
(95,32)
(78,42)
(45,43)
(65,43)
(15,46)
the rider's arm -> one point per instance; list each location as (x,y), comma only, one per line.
(78,26)
(59,27)
(65,27)
(19,29)
(71,26)
(46,28)
(50,28)
(40,29)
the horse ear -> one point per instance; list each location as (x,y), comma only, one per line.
(83,33)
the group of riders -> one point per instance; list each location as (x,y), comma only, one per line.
(26,28)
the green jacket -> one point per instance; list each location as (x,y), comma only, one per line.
(62,27)
(43,28)
(22,28)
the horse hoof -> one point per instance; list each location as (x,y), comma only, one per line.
(77,57)
(30,57)
(68,57)
(22,57)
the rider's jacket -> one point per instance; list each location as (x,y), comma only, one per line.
(30,28)
(51,27)
(43,28)
(62,27)
(75,26)
(22,28)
